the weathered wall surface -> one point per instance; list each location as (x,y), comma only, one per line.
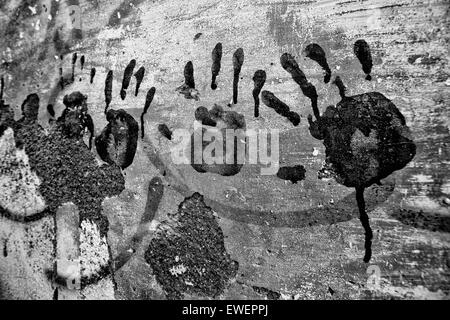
(242,236)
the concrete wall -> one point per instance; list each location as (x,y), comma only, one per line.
(273,239)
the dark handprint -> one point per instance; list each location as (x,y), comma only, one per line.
(365,136)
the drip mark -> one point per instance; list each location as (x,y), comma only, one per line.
(148,101)
(51,110)
(127,78)
(108,89)
(215,68)
(364,218)
(238,61)
(139,75)
(165,131)
(362,51)
(270,100)
(82,62)
(188,87)
(92,75)
(189,75)
(2,86)
(259,79)
(316,53)
(74,61)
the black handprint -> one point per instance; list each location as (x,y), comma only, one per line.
(365,136)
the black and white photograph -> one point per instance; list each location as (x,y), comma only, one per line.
(205,151)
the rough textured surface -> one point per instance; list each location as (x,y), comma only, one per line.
(188,254)
(294,241)
(19,186)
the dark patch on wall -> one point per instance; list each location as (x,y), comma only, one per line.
(82,61)
(293,174)
(382,146)
(188,254)
(2,87)
(51,110)
(269,294)
(270,100)
(238,61)
(188,87)
(197,36)
(117,143)
(74,118)
(362,51)
(316,53)
(139,75)
(127,78)
(202,114)
(189,75)
(148,100)
(223,120)
(108,89)
(74,61)
(216,56)
(423,220)
(259,78)
(165,131)
(67,170)
(5,248)
(92,75)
